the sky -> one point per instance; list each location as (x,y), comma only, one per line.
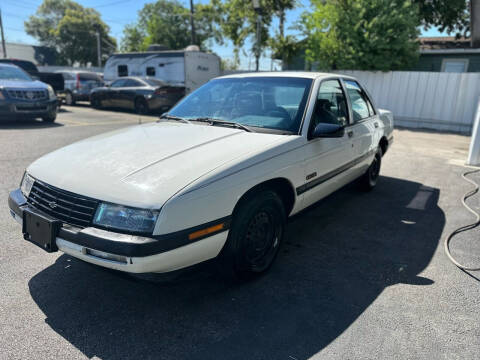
(118,13)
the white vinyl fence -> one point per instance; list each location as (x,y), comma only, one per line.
(431,100)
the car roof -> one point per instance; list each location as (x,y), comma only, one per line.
(292,74)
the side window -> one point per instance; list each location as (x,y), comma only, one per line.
(122,70)
(132,83)
(331,105)
(118,83)
(361,106)
(150,71)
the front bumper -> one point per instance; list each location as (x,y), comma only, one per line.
(18,108)
(129,253)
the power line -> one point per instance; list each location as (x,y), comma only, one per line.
(112,3)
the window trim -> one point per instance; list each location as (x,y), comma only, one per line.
(353,122)
(339,79)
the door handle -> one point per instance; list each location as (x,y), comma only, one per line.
(376,124)
(350,133)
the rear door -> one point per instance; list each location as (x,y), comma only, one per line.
(364,124)
(327,159)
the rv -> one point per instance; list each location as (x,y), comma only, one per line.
(187,68)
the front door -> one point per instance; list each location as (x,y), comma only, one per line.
(327,159)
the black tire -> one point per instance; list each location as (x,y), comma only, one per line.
(50,118)
(257,231)
(369,180)
(95,102)
(69,99)
(141,106)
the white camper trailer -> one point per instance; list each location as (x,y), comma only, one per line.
(177,67)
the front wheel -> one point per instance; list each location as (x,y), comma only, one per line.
(369,180)
(257,231)
(95,102)
(50,117)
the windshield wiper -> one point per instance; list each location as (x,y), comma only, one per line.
(173,117)
(214,122)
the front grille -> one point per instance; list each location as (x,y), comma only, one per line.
(27,94)
(31,108)
(65,206)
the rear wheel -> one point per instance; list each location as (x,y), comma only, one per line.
(141,106)
(257,231)
(369,180)
(69,99)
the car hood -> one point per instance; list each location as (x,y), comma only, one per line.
(145,165)
(22,84)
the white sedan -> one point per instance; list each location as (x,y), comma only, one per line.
(215,177)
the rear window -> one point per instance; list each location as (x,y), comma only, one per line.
(154,82)
(89,76)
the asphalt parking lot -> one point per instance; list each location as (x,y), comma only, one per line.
(361,276)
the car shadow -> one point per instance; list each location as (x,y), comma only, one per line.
(20,124)
(338,258)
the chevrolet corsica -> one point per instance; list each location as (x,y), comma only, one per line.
(215,177)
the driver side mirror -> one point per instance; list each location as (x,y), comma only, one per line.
(324,130)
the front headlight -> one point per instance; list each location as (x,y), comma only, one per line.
(26,185)
(125,218)
(51,93)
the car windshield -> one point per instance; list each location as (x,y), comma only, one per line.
(270,103)
(13,73)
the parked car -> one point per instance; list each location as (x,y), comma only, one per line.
(216,177)
(79,84)
(50,78)
(141,94)
(23,97)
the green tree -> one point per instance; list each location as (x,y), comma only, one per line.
(448,15)
(167,22)
(71,29)
(239,23)
(362,34)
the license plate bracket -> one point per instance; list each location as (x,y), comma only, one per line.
(40,229)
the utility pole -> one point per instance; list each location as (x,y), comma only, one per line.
(4,48)
(475,23)
(258,49)
(192,22)
(99,50)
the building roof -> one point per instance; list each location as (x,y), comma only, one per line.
(444,42)
(446,45)
(39,55)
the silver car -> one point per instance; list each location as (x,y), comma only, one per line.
(79,84)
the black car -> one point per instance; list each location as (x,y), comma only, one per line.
(23,97)
(141,94)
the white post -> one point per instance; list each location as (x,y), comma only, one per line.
(474,153)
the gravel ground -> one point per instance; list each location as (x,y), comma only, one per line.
(362,275)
